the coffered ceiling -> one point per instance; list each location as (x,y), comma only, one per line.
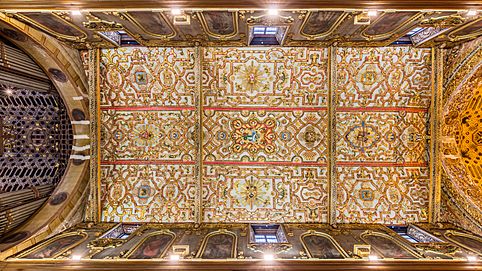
(211,27)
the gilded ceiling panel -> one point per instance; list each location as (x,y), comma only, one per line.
(236,193)
(383,77)
(267,77)
(391,195)
(155,135)
(273,136)
(383,95)
(396,137)
(265,135)
(148,193)
(141,76)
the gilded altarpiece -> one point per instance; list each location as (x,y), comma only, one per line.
(242,134)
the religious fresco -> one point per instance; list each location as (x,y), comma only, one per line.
(322,247)
(54,247)
(388,247)
(219,246)
(153,246)
(263,154)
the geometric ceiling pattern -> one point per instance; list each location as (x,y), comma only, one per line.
(98,28)
(243,134)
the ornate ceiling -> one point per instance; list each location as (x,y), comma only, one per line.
(265,134)
(461,142)
(211,27)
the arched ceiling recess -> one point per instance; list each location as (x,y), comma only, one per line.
(65,71)
(461,130)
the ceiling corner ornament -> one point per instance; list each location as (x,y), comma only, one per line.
(266,19)
(96,24)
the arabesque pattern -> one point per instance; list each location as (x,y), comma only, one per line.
(264,119)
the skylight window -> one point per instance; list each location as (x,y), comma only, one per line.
(267,234)
(414,31)
(265,30)
(402,231)
(262,35)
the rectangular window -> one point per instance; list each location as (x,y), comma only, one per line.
(267,234)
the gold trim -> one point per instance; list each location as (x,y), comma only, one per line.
(59,36)
(450,233)
(198,74)
(402,245)
(54,239)
(452,37)
(331,105)
(324,235)
(203,22)
(130,18)
(160,232)
(204,243)
(98,133)
(333,27)
(394,31)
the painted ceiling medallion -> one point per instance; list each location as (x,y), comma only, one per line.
(310,136)
(146,135)
(254,135)
(252,193)
(252,78)
(362,137)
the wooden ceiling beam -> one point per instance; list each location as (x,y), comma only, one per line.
(242,4)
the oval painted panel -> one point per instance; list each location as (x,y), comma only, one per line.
(152,247)
(219,246)
(152,22)
(388,248)
(321,247)
(388,22)
(54,23)
(320,22)
(219,22)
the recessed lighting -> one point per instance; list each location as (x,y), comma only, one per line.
(174,257)
(373,257)
(176,11)
(76,257)
(471,258)
(268,257)
(273,12)
(372,13)
(472,12)
(76,12)
(8,91)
